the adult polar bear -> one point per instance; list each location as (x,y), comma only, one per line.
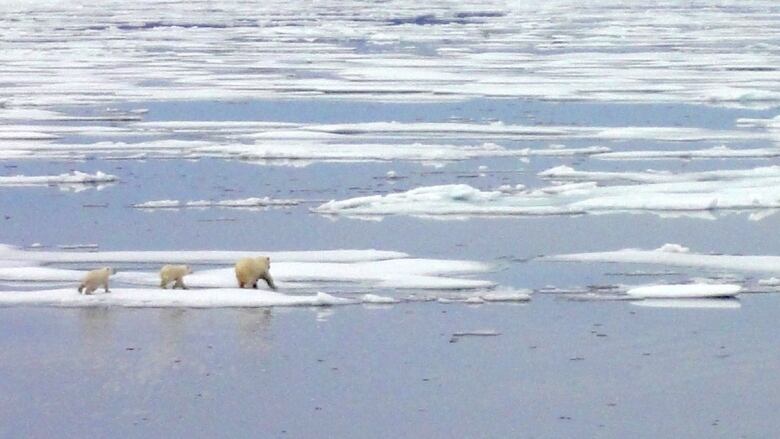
(250,270)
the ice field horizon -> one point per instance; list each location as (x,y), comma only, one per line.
(485,218)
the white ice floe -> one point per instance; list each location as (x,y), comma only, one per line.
(253,202)
(750,189)
(74,177)
(158,298)
(684,291)
(505,295)
(337,270)
(567,173)
(279,152)
(661,256)
(718,152)
(36,257)
(373,298)
(689,303)
(771,282)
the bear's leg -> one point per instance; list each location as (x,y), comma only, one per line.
(89,290)
(270,281)
(163,284)
(81,288)
(105,286)
(180,283)
(254,285)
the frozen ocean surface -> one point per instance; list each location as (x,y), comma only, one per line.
(485,219)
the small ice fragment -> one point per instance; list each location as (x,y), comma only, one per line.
(158,204)
(78,246)
(771,282)
(477,333)
(373,298)
(506,296)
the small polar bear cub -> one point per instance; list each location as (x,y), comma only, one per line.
(171,273)
(95,278)
(250,270)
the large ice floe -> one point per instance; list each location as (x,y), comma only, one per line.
(749,189)
(444,51)
(684,291)
(39,277)
(675,255)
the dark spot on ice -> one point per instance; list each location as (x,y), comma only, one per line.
(479,14)
(751,69)
(427,20)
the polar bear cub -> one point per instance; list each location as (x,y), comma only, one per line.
(250,270)
(174,273)
(95,278)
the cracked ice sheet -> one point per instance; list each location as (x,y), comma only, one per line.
(676,256)
(753,189)
(309,50)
